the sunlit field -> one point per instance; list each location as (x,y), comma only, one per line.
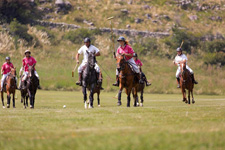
(165,122)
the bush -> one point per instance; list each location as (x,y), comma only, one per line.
(22,10)
(50,33)
(19,31)
(214,46)
(214,58)
(77,36)
(146,46)
(179,35)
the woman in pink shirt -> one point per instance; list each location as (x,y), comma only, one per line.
(127,51)
(28,61)
(5,71)
(139,64)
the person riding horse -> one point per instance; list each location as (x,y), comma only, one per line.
(27,61)
(126,50)
(139,64)
(85,49)
(5,71)
(182,58)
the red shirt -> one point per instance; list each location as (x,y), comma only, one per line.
(127,49)
(6,67)
(28,61)
(138,62)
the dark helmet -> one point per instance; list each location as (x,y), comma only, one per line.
(7,58)
(121,38)
(179,49)
(86,40)
(135,55)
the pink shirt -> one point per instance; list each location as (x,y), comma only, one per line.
(7,67)
(127,49)
(28,61)
(138,62)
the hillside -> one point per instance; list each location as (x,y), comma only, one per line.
(199,23)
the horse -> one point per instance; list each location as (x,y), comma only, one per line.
(140,88)
(186,83)
(30,88)
(89,80)
(97,90)
(10,88)
(127,80)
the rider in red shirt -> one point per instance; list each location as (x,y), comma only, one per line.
(5,71)
(139,64)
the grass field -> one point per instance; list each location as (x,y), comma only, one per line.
(163,123)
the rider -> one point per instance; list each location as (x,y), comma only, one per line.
(28,61)
(182,58)
(139,64)
(126,50)
(5,71)
(83,50)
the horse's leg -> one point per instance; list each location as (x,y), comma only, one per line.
(98,95)
(142,98)
(193,101)
(30,97)
(135,96)
(84,90)
(189,100)
(128,91)
(119,97)
(27,100)
(91,99)
(2,100)
(14,105)
(8,99)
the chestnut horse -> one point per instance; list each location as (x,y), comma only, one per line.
(10,88)
(186,83)
(127,79)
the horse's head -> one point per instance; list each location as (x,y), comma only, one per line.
(91,59)
(30,71)
(183,69)
(120,61)
(13,72)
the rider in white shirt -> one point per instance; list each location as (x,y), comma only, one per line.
(182,58)
(83,50)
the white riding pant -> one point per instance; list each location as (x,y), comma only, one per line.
(179,70)
(4,77)
(83,65)
(25,73)
(133,64)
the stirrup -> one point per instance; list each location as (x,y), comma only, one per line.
(116,84)
(195,82)
(148,84)
(78,83)
(178,86)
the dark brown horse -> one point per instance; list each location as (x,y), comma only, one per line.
(140,88)
(10,88)
(186,83)
(97,90)
(127,79)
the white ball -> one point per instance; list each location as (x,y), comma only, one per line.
(64,106)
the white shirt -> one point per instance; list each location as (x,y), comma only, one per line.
(83,50)
(180,58)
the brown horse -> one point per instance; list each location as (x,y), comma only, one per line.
(140,88)
(186,83)
(127,79)
(10,88)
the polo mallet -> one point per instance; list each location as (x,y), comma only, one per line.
(74,70)
(113,45)
(182,43)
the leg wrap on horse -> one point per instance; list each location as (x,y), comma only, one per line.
(178,82)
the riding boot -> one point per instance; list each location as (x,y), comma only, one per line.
(178,82)
(145,80)
(117,81)
(79,81)
(193,79)
(39,87)
(140,78)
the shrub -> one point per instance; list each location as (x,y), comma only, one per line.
(214,46)
(77,36)
(214,58)
(146,46)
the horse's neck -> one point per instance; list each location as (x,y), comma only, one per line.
(127,69)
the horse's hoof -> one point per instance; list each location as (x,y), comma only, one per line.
(99,105)
(8,106)
(141,105)
(193,102)
(137,104)
(14,107)
(119,104)
(85,105)
(3,107)
(90,107)
(24,107)
(128,105)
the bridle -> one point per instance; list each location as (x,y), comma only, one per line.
(121,65)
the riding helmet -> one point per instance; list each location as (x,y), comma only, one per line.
(179,49)
(87,39)
(7,58)
(27,51)
(121,38)
(135,55)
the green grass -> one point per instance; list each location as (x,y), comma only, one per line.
(163,123)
